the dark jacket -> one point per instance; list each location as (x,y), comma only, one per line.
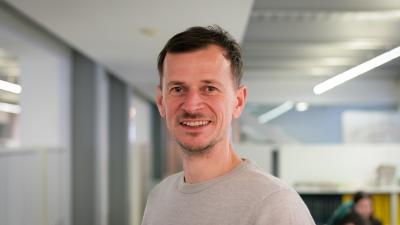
(356,219)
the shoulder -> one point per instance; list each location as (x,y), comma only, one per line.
(375,221)
(261,182)
(277,202)
(283,207)
(352,217)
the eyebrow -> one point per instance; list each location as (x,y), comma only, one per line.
(211,82)
(215,83)
(172,83)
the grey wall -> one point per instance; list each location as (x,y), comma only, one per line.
(118,154)
(83,140)
(319,124)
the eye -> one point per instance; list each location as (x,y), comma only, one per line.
(176,90)
(210,89)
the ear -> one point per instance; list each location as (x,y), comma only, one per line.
(241,95)
(160,101)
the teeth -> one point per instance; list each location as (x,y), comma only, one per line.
(195,123)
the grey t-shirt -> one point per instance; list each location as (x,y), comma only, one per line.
(244,196)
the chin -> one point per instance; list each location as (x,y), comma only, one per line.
(195,148)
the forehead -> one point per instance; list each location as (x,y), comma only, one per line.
(364,201)
(209,62)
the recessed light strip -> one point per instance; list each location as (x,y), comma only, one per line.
(272,114)
(10,108)
(10,87)
(356,71)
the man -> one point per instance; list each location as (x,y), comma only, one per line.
(199,95)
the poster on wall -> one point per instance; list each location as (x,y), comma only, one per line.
(371,127)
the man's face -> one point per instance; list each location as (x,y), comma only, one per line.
(198,98)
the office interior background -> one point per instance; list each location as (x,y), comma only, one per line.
(81,139)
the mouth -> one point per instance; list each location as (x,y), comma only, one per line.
(195,124)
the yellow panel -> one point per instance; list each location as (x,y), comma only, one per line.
(381,204)
(398,209)
(346,198)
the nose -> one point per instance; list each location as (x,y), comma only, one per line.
(193,102)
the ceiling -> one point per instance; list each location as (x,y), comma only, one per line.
(288,46)
(127,35)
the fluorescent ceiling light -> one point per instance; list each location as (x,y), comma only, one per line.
(281,109)
(10,87)
(336,61)
(10,108)
(363,44)
(356,71)
(308,15)
(320,71)
(302,106)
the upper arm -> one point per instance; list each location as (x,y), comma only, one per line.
(283,208)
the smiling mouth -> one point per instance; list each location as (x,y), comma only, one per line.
(195,123)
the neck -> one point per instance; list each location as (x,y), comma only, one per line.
(212,164)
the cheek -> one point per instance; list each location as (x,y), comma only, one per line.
(168,114)
(364,209)
(227,111)
(171,111)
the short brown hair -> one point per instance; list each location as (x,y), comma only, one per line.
(196,38)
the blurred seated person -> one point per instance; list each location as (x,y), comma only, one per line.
(361,212)
(342,211)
